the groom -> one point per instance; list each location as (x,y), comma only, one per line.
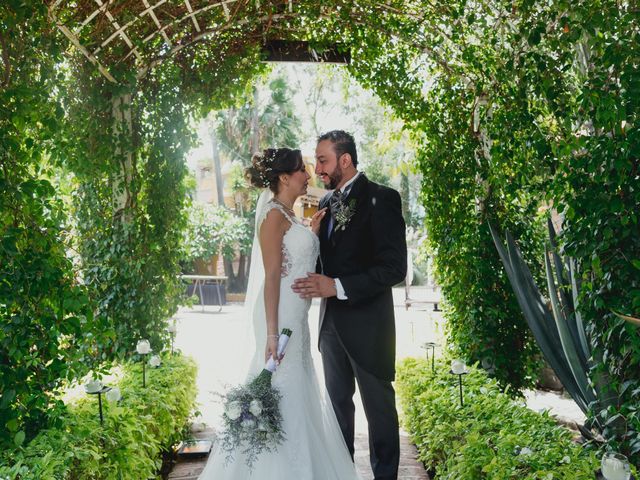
(363,253)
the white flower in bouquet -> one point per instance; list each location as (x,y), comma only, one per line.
(252,419)
(233,410)
(248,423)
(255,407)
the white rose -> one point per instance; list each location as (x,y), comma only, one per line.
(526,451)
(255,407)
(233,410)
(248,423)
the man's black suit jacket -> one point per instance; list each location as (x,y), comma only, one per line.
(369,256)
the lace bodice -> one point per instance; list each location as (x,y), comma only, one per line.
(300,246)
(300,250)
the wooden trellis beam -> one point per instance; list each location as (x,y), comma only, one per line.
(190,10)
(73,38)
(152,14)
(120,31)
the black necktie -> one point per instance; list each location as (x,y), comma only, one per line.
(334,202)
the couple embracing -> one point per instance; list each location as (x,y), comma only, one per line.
(350,257)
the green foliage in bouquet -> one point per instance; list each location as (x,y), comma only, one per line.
(491,437)
(136,430)
(252,417)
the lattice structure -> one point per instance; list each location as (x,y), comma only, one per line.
(144,32)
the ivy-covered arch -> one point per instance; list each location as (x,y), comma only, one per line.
(517,107)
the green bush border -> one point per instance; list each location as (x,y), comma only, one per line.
(136,430)
(491,436)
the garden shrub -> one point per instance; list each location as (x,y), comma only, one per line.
(491,437)
(136,430)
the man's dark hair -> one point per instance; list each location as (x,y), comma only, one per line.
(343,142)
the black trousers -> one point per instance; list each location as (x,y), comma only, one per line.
(378,399)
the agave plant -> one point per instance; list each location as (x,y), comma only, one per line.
(558,327)
(633,320)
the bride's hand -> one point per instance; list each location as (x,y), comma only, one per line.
(316,220)
(271,350)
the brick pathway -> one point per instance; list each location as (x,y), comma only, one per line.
(410,468)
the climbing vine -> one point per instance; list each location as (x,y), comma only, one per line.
(518,109)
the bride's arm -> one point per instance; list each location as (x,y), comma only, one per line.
(271,234)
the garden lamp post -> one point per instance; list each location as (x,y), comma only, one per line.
(459,368)
(172,329)
(95,387)
(432,346)
(615,466)
(143,348)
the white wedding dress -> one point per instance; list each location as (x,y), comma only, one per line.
(314,448)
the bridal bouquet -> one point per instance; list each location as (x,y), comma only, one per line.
(252,422)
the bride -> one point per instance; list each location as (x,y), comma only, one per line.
(285,249)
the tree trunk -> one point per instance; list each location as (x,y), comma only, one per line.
(217,167)
(254,143)
(405,194)
(122,131)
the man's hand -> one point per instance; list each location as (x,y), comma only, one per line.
(315,285)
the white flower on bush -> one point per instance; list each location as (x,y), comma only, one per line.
(526,451)
(155,361)
(255,407)
(248,423)
(233,410)
(566,459)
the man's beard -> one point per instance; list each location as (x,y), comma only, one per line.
(334,178)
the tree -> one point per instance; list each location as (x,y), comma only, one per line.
(263,118)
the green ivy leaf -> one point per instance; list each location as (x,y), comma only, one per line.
(18,440)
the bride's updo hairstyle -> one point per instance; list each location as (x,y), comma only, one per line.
(266,167)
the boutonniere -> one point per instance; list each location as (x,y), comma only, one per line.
(343,212)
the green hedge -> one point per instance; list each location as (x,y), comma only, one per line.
(491,437)
(135,432)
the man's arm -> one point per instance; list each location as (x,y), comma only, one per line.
(389,263)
